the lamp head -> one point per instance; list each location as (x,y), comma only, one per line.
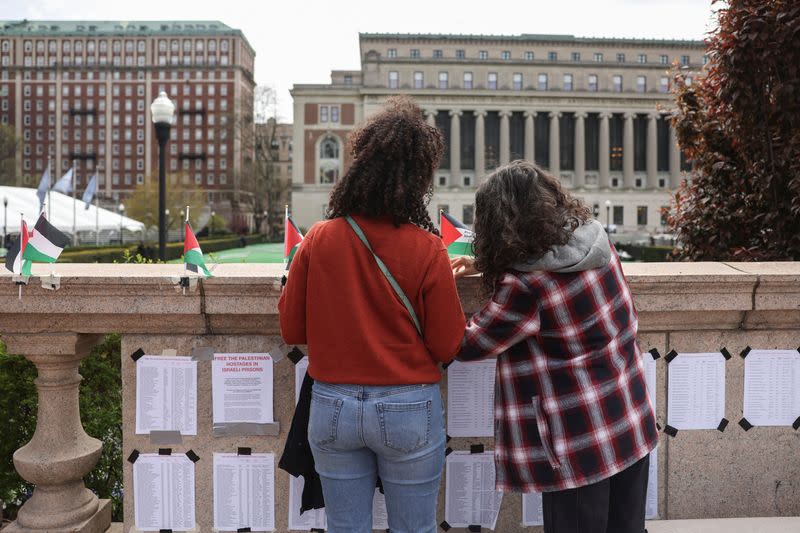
(608,203)
(162,109)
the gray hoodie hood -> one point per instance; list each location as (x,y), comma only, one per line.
(586,249)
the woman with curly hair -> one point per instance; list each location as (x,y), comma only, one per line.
(372,294)
(572,416)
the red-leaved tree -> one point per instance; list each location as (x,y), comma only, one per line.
(740,127)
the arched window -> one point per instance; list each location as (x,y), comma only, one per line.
(329,163)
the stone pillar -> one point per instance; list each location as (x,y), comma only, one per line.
(455,147)
(652,151)
(605,164)
(674,158)
(480,145)
(555,146)
(505,145)
(627,151)
(580,150)
(529,144)
(60,453)
(431,116)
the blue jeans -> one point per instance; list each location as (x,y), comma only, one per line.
(359,432)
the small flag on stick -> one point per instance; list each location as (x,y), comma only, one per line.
(456,236)
(44,246)
(291,239)
(14,261)
(192,254)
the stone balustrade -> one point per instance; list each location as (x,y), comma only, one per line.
(689,307)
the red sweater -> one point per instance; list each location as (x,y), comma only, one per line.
(358,332)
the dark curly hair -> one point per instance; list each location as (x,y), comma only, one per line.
(394,156)
(521,211)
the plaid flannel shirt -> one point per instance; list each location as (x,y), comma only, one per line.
(571,404)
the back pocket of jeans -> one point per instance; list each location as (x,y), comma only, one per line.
(405,427)
(323,419)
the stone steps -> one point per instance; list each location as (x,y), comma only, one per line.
(727,525)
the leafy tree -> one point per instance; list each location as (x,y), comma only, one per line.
(101,414)
(142,205)
(9,143)
(740,127)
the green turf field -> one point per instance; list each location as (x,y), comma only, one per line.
(255,253)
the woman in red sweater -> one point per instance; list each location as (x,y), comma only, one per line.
(372,294)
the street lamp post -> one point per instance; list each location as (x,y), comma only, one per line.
(121,213)
(608,216)
(211,224)
(162,110)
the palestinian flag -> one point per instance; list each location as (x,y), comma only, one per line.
(14,261)
(291,239)
(44,245)
(192,254)
(456,236)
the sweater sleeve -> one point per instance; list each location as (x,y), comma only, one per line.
(292,303)
(510,316)
(444,319)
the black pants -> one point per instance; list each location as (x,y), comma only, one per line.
(614,505)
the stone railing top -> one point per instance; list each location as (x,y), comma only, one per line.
(242,298)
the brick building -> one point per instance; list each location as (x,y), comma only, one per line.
(81,91)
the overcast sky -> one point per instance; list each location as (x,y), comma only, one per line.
(301,41)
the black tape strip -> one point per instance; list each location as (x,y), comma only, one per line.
(447,438)
(444,525)
(476,448)
(317,530)
(133,456)
(725,353)
(243,450)
(138,354)
(243,530)
(722,425)
(796,424)
(655,354)
(745,424)
(658,426)
(670,356)
(184,282)
(669,430)
(193,457)
(745,352)
(165,451)
(295,355)
(448,451)
(474,528)
(164,531)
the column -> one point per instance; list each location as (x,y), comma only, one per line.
(580,150)
(674,158)
(605,166)
(480,144)
(555,146)
(455,147)
(652,151)
(430,114)
(60,453)
(627,151)
(505,145)
(529,145)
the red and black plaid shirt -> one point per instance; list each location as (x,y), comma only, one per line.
(571,404)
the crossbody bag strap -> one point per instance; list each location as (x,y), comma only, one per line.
(393,282)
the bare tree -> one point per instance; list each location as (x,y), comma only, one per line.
(9,144)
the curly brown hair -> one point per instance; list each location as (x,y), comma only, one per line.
(394,156)
(521,211)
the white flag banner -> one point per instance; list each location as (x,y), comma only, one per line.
(44,186)
(91,188)
(64,185)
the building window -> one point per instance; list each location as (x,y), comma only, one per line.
(542,82)
(663,84)
(641,215)
(334,113)
(329,160)
(529,56)
(414,53)
(323,113)
(641,84)
(516,81)
(468,80)
(491,82)
(438,54)
(505,55)
(598,57)
(616,83)
(642,58)
(419,80)
(619,218)
(394,79)
(664,59)
(620,58)
(348,80)
(460,54)
(443,80)
(567,82)
(552,56)
(391,53)
(483,54)
(685,60)
(468,214)
(576,56)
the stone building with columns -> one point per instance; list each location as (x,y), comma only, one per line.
(594,111)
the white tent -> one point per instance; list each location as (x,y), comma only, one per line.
(24,200)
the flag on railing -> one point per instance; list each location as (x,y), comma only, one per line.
(44,186)
(14,261)
(292,238)
(44,246)
(64,185)
(456,236)
(91,188)
(192,254)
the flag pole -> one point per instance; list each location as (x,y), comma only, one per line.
(96,214)
(185,264)
(49,185)
(21,229)
(74,203)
